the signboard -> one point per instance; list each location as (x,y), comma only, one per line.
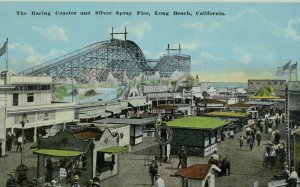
(155,89)
(62,172)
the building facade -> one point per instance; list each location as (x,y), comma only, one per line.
(30,97)
(279,85)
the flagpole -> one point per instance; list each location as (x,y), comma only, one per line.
(6,55)
(296,73)
(290,71)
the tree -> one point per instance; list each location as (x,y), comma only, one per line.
(91,92)
(190,81)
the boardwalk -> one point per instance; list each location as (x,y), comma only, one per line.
(246,165)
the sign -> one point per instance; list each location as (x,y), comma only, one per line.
(155,89)
(164,135)
(62,172)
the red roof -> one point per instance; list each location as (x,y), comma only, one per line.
(197,171)
(88,135)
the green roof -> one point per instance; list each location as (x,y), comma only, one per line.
(114,150)
(58,153)
(228,114)
(196,122)
(210,101)
(263,93)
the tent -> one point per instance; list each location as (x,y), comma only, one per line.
(263,93)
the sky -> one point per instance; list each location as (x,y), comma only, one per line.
(248,41)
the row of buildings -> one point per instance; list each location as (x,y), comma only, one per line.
(32,97)
(129,120)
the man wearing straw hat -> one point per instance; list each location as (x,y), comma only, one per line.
(292,180)
(11,181)
(75,182)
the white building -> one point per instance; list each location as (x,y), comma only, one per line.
(31,97)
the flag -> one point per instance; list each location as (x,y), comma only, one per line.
(283,70)
(3,49)
(293,68)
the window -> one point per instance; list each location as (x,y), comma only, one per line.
(30,97)
(31,87)
(15,99)
(45,87)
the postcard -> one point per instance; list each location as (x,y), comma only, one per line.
(84,86)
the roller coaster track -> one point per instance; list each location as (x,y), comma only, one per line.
(118,57)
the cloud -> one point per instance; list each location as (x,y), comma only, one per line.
(32,57)
(138,30)
(248,13)
(293,29)
(186,45)
(200,26)
(196,25)
(207,58)
(244,56)
(13,45)
(52,33)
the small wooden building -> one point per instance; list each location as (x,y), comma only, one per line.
(198,175)
(197,134)
(137,127)
(238,119)
(209,105)
(86,153)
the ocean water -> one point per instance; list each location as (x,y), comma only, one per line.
(229,84)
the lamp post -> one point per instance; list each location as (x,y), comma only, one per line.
(24,120)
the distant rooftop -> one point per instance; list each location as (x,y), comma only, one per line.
(197,122)
(127,121)
(88,135)
(197,171)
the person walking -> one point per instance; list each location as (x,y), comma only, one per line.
(183,157)
(258,138)
(153,170)
(225,167)
(292,180)
(9,141)
(49,170)
(277,121)
(276,137)
(11,181)
(75,182)
(241,142)
(266,126)
(19,143)
(251,143)
(179,156)
(159,182)
(272,157)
